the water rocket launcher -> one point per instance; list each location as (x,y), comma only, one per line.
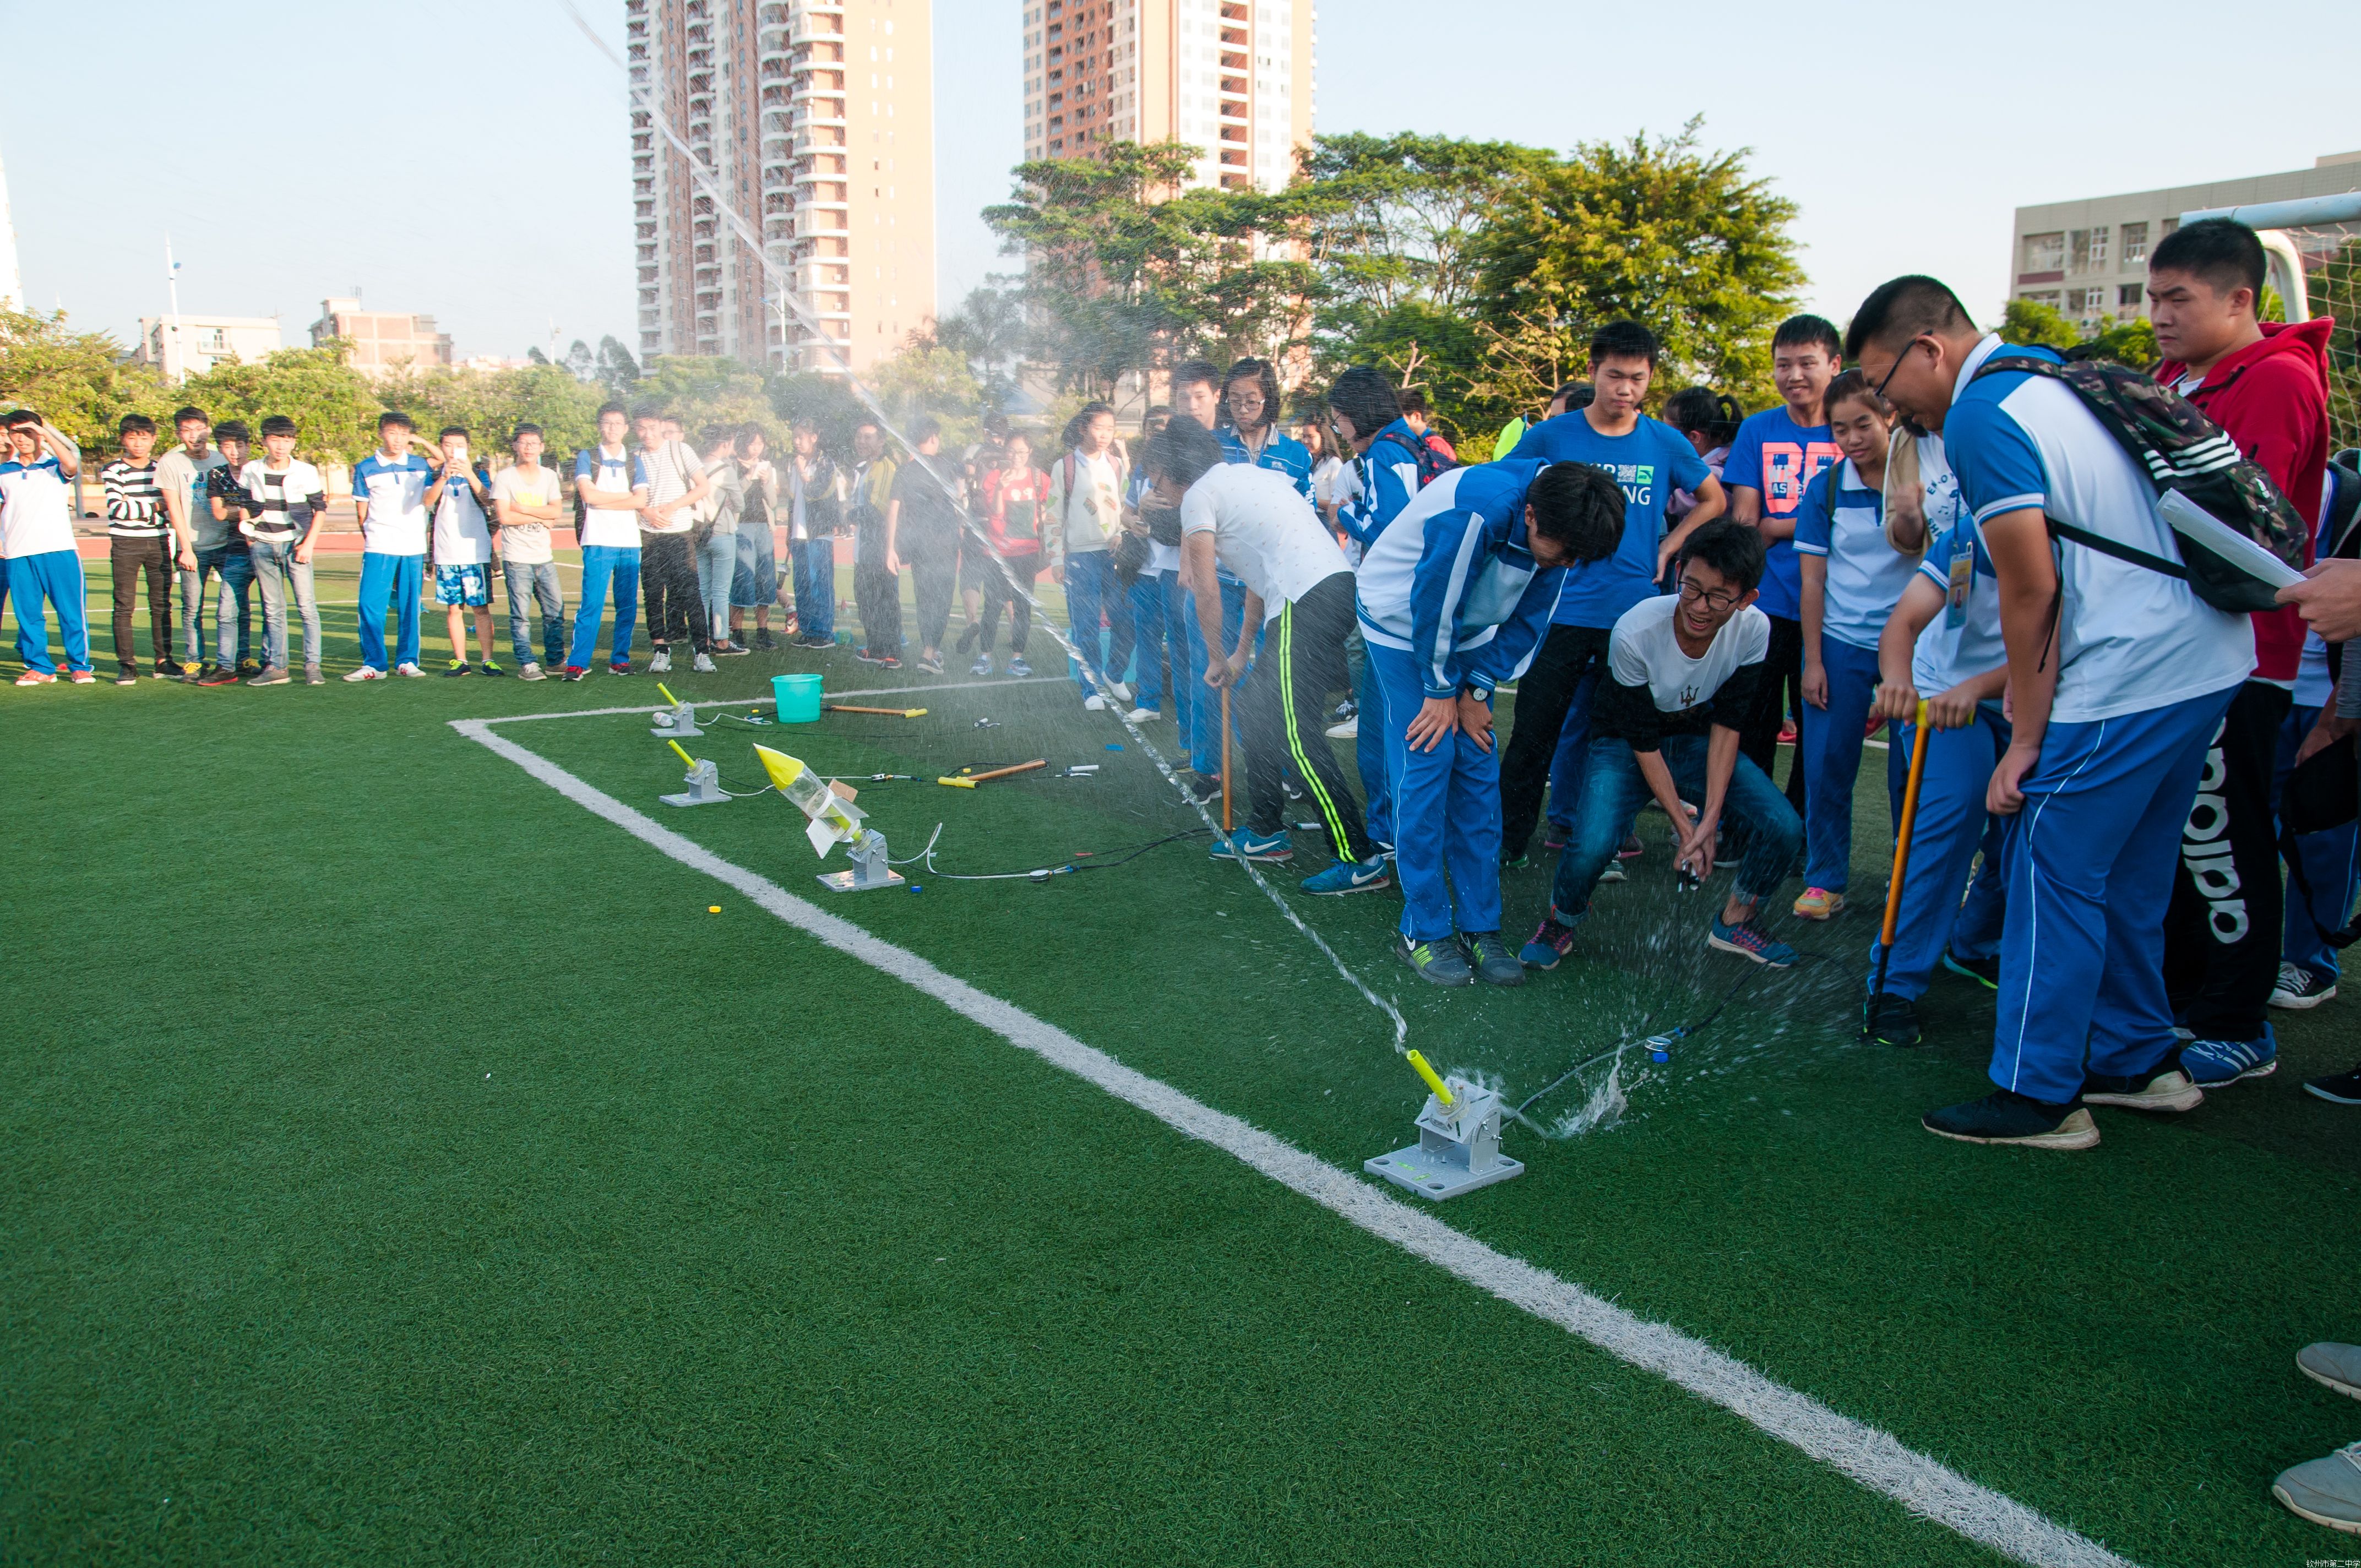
(1434,1083)
(834,819)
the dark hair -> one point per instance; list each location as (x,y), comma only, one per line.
(1628,340)
(520,432)
(1580,506)
(1901,308)
(1412,400)
(233,430)
(1184,450)
(135,422)
(925,429)
(1364,396)
(20,417)
(750,431)
(606,409)
(713,436)
(1577,395)
(1155,411)
(1188,372)
(278,424)
(1809,332)
(1070,437)
(1854,387)
(1730,549)
(859,426)
(649,410)
(1264,374)
(997,424)
(447,431)
(392,419)
(191,413)
(2221,253)
(1718,414)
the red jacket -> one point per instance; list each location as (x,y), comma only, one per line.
(2272,398)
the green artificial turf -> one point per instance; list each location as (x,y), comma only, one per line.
(405,1166)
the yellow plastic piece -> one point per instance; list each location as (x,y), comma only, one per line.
(667,694)
(957,783)
(1434,1083)
(683,756)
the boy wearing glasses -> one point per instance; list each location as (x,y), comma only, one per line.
(1682,674)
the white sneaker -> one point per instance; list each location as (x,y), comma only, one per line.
(1143,715)
(529,671)
(1095,704)
(2299,988)
(1614,873)
(702,664)
(408,670)
(1122,692)
(660,662)
(366,674)
(1348,730)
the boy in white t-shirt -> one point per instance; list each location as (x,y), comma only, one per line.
(1681,673)
(460,500)
(36,538)
(389,493)
(289,503)
(524,505)
(610,485)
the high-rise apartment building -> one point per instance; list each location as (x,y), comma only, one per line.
(1234,79)
(817,122)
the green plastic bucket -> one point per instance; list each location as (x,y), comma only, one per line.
(797,696)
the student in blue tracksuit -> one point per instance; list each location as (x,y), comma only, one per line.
(1851,579)
(1649,460)
(1943,642)
(1453,598)
(1385,475)
(2117,677)
(2324,868)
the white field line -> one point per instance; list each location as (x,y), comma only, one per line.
(760,701)
(1874,1458)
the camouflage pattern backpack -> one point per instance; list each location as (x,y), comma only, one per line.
(2179,449)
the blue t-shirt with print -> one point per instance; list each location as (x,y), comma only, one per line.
(1775,455)
(1649,463)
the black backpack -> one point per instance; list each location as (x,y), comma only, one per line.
(2179,449)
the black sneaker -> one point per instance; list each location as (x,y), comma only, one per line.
(2344,1089)
(1202,787)
(2166,1088)
(1495,965)
(764,640)
(815,641)
(1890,1020)
(1984,971)
(866,657)
(459,667)
(1437,963)
(2004,1117)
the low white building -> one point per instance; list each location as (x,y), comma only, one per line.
(192,345)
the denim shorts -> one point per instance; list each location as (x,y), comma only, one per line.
(468,586)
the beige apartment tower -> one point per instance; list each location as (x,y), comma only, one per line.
(817,122)
(1234,79)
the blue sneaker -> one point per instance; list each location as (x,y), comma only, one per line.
(2214,1063)
(1551,941)
(1019,668)
(1248,844)
(1749,940)
(1350,876)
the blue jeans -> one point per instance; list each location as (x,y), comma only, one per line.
(1573,752)
(815,563)
(535,583)
(1447,809)
(278,573)
(716,564)
(754,574)
(55,575)
(1832,746)
(1613,790)
(1093,593)
(603,564)
(233,569)
(2323,870)
(397,579)
(2089,866)
(1147,651)
(1181,702)
(1952,824)
(1373,752)
(1205,728)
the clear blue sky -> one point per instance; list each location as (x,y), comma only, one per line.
(470,161)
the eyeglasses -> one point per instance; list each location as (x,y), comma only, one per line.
(1715,599)
(1896,366)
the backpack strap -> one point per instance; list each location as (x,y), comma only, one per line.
(2120,551)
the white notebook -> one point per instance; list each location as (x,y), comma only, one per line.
(2185,516)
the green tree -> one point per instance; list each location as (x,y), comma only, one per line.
(2029,324)
(988,332)
(702,390)
(80,381)
(492,403)
(926,378)
(823,399)
(2131,342)
(333,406)
(614,368)
(1658,230)
(1393,220)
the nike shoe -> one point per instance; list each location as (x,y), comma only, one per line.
(815,641)
(1019,668)
(488,667)
(126,678)
(2344,1089)
(732,650)
(276,676)
(1749,940)
(660,662)
(1984,971)
(2301,987)
(1202,787)
(866,657)
(620,667)
(365,673)
(2325,1491)
(1890,1020)
(166,670)
(411,670)
(1495,965)
(2004,1117)
(1248,844)
(983,666)
(1552,941)
(1350,876)
(459,667)
(2333,1365)
(889,661)
(571,673)
(1437,963)
(2163,1089)
(1818,904)
(224,676)
(2214,1063)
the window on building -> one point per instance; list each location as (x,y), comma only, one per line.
(2128,296)
(2041,297)
(2134,244)
(2098,250)
(2045,252)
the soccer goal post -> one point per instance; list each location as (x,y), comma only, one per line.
(2314,245)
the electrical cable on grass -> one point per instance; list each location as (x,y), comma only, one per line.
(785,296)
